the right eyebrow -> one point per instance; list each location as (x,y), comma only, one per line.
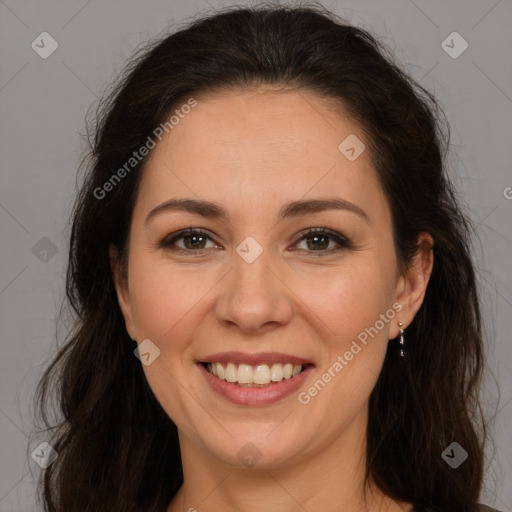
(212,210)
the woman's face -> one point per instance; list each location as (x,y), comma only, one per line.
(253,288)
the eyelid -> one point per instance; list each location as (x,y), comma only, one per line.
(168,240)
(342,241)
(320,231)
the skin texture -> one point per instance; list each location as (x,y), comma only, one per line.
(251,152)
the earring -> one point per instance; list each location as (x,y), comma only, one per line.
(401,340)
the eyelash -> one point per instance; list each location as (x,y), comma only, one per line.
(343,242)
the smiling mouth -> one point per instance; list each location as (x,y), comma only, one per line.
(254,376)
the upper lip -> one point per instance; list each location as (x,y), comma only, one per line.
(254,359)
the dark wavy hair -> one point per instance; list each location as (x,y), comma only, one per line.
(118,449)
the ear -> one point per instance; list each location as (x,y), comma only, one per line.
(120,279)
(411,287)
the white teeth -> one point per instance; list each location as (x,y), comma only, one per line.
(261,374)
(244,374)
(276,372)
(254,376)
(231,373)
(220,370)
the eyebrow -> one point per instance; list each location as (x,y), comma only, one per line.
(211,210)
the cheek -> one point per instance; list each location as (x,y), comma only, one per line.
(166,299)
(351,305)
(348,299)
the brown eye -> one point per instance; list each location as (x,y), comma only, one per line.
(194,240)
(318,240)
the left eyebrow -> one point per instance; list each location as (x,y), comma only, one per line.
(308,206)
(204,208)
(293,209)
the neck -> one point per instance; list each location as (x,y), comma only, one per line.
(331,479)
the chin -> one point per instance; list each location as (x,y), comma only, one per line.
(257,451)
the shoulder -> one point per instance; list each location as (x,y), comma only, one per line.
(485,508)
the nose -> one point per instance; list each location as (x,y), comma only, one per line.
(254,297)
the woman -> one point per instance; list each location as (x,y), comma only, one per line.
(276,303)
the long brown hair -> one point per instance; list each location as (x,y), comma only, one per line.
(118,450)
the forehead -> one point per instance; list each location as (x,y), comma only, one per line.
(261,126)
(261,148)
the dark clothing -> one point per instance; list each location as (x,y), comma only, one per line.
(475,508)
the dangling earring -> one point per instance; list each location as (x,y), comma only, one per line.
(401,340)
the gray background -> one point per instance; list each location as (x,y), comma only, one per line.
(43,103)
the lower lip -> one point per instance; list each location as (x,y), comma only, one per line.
(241,395)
